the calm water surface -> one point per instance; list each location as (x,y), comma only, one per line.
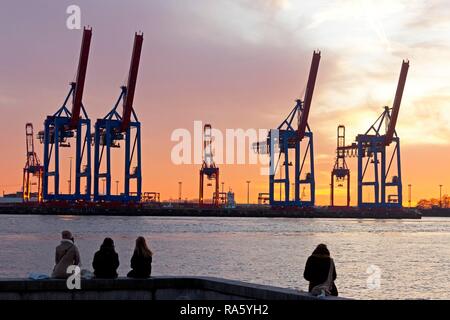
(413,255)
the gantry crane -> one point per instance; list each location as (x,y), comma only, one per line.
(340,172)
(288,137)
(115,127)
(372,150)
(33,168)
(209,168)
(64,125)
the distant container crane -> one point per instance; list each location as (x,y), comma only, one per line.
(340,172)
(209,168)
(33,168)
(288,137)
(64,125)
(115,127)
(371,148)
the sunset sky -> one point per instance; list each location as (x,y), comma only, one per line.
(235,64)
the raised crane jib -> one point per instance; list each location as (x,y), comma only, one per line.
(303,121)
(397,101)
(131,84)
(81,77)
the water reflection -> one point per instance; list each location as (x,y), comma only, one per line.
(413,256)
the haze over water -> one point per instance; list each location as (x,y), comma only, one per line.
(413,255)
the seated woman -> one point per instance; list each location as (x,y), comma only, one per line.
(320,271)
(106,261)
(141,262)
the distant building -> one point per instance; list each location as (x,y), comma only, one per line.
(230,200)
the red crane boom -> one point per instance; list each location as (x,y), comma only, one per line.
(81,77)
(131,85)
(303,121)
(397,101)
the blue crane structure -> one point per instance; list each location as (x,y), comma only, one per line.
(64,125)
(379,165)
(115,127)
(287,137)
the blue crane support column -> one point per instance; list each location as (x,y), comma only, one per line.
(115,127)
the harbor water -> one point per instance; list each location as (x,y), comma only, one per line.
(375,259)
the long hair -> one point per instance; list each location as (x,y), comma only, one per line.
(321,250)
(141,248)
(108,243)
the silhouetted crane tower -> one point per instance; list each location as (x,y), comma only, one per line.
(33,168)
(64,125)
(340,172)
(209,168)
(377,170)
(288,137)
(115,127)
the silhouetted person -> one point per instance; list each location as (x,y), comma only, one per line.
(106,260)
(141,261)
(317,270)
(66,254)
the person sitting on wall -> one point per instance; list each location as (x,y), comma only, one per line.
(321,272)
(66,254)
(106,261)
(141,261)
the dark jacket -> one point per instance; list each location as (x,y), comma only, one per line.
(106,262)
(316,272)
(141,266)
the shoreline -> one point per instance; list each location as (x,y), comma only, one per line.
(243,212)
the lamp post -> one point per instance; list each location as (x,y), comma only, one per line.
(331,194)
(440,196)
(248,191)
(180,185)
(281,177)
(409,195)
(103,184)
(117,187)
(70,175)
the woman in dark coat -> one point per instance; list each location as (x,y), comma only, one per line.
(141,261)
(106,260)
(318,267)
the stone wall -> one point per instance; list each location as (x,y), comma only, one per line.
(155,288)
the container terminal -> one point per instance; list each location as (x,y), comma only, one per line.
(377,152)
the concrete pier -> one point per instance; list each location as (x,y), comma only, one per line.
(155,288)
